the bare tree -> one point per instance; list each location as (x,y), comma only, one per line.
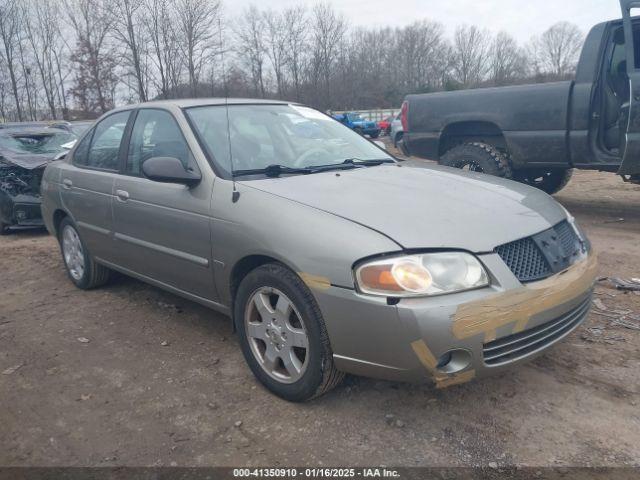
(328,30)
(93,57)
(276,46)
(42,30)
(160,22)
(508,61)
(126,20)
(296,25)
(556,50)
(198,22)
(471,48)
(10,36)
(251,46)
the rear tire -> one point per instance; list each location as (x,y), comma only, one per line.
(260,324)
(375,135)
(478,157)
(550,181)
(81,268)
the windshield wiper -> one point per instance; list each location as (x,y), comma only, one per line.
(367,163)
(271,171)
(276,170)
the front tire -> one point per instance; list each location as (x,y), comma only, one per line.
(478,157)
(81,268)
(4,229)
(282,334)
(550,181)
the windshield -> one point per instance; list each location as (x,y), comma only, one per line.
(292,136)
(354,117)
(40,143)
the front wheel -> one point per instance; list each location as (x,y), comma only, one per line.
(82,269)
(4,229)
(550,181)
(282,334)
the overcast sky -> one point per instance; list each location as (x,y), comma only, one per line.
(521,18)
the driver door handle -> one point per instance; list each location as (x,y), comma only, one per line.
(67,184)
(122,195)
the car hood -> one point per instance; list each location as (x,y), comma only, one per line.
(29,161)
(423,206)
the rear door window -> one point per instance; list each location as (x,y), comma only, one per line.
(105,144)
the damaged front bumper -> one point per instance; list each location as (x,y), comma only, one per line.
(451,339)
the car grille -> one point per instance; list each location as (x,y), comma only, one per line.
(541,255)
(525,260)
(519,345)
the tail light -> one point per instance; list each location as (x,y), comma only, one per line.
(404,116)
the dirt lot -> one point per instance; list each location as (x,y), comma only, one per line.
(130,375)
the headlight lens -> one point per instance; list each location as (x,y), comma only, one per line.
(421,275)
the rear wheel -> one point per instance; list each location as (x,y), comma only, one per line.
(282,334)
(82,269)
(478,157)
(375,135)
(550,181)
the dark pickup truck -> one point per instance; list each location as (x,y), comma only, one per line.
(537,134)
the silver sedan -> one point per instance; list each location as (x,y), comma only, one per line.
(330,256)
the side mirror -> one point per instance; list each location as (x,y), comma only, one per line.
(382,145)
(169,170)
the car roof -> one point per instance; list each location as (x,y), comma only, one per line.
(200,102)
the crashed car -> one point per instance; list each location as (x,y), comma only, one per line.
(330,256)
(24,153)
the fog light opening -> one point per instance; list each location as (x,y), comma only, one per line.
(454,361)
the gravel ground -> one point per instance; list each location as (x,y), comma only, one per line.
(131,375)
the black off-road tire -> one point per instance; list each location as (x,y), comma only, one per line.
(478,157)
(321,375)
(375,135)
(550,181)
(95,275)
(358,131)
(4,229)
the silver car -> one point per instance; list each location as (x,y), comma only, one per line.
(397,131)
(330,256)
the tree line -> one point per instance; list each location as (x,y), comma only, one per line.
(79,58)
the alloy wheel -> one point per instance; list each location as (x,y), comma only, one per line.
(73,253)
(277,335)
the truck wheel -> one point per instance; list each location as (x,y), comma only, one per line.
(4,229)
(375,135)
(550,181)
(282,334)
(397,139)
(358,131)
(82,269)
(478,157)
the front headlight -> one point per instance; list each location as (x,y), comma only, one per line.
(421,275)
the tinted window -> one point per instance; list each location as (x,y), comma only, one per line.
(105,144)
(156,134)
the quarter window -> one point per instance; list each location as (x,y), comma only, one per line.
(105,144)
(156,134)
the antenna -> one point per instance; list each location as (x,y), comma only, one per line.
(235,195)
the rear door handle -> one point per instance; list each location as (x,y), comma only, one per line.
(122,195)
(67,184)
